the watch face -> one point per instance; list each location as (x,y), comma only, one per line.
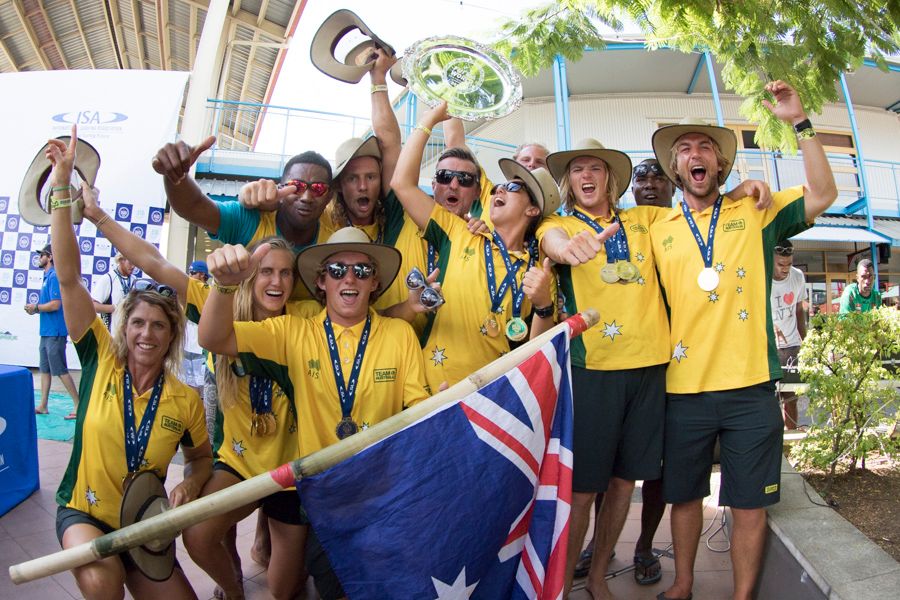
(476,81)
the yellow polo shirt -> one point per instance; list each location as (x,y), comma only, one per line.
(724,339)
(93,479)
(456,342)
(294,352)
(633,330)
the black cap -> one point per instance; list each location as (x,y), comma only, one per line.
(45,250)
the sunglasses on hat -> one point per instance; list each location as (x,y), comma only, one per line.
(430,297)
(316,188)
(338,270)
(148,285)
(784,250)
(445,176)
(643,169)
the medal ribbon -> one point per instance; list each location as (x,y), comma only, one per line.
(617,245)
(136,441)
(706,249)
(432,256)
(260,394)
(346,392)
(512,269)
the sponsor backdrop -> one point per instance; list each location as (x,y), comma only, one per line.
(127,116)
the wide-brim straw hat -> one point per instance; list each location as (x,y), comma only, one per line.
(665,137)
(146,497)
(358,61)
(354,148)
(539,181)
(349,239)
(36,210)
(618,162)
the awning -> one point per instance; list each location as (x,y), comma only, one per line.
(824,233)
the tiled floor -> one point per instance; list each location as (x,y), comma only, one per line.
(27,532)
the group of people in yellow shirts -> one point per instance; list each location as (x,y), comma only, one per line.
(343,295)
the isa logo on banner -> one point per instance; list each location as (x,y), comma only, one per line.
(20,279)
(12,223)
(4,204)
(7,259)
(101,265)
(24,241)
(86,245)
(5,295)
(123,212)
(156,216)
(34,296)
(138,230)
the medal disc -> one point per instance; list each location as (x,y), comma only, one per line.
(708,279)
(609,273)
(345,428)
(516,329)
(627,271)
(491,326)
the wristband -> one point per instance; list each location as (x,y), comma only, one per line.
(804,124)
(224,289)
(103,220)
(804,130)
(424,129)
(60,202)
(544,312)
(379,87)
(61,188)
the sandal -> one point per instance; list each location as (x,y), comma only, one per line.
(647,570)
(70,417)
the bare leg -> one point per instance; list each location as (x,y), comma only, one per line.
(70,387)
(687,521)
(581,507)
(583,566)
(652,510)
(45,393)
(261,550)
(100,580)
(610,521)
(286,568)
(789,410)
(747,543)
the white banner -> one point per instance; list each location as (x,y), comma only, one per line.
(127,116)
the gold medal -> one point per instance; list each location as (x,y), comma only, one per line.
(491,326)
(627,271)
(609,273)
(516,329)
(345,428)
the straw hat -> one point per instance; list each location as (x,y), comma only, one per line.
(358,61)
(665,137)
(618,162)
(32,207)
(146,497)
(539,181)
(349,239)
(354,148)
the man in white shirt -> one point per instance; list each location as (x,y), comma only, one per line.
(788,319)
(109,290)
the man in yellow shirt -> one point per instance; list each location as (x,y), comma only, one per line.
(346,368)
(714,257)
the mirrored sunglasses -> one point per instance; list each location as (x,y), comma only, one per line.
(509,186)
(445,176)
(643,169)
(430,297)
(338,270)
(148,285)
(784,250)
(316,188)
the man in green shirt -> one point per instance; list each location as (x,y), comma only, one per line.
(861,296)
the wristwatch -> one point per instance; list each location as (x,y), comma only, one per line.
(804,130)
(544,312)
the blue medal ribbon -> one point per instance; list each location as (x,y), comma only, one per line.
(346,391)
(512,269)
(617,245)
(136,441)
(706,249)
(432,257)
(260,394)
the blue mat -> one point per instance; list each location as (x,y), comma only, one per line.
(53,426)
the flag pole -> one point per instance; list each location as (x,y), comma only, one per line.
(169,524)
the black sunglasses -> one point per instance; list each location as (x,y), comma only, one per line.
(784,250)
(338,270)
(643,169)
(148,285)
(509,186)
(445,176)
(430,297)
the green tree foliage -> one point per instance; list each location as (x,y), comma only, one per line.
(808,44)
(852,412)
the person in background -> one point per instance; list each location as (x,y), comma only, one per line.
(109,290)
(52,348)
(193,366)
(861,296)
(788,319)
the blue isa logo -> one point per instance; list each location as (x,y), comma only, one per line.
(4,204)
(35,261)
(12,223)
(156,216)
(90,117)
(24,241)
(101,265)
(123,212)
(86,245)
(34,297)
(20,279)
(7,258)
(5,295)
(138,230)
(85,282)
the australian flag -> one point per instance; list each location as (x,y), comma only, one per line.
(471,501)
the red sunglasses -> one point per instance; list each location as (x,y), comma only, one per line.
(316,188)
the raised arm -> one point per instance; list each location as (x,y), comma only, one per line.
(821,191)
(384,121)
(174,162)
(418,204)
(78,307)
(454,133)
(581,248)
(229,266)
(140,252)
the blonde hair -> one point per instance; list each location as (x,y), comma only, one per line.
(226,381)
(568,194)
(174,315)
(721,159)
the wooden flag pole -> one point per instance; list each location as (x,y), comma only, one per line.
(167,525)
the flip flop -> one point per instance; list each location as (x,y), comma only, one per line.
(70,417)
(41,412)
(642,565)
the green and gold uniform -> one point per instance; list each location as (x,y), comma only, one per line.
(93,479)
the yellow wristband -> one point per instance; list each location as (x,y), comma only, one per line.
(423,128)
(379,87)
(60,202)
(224,289)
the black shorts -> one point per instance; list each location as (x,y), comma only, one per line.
(318,565)
(284,506)
(748,424)
(619,417)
